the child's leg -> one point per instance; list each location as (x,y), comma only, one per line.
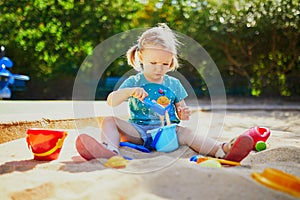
(112,130)
(89,148)
(235,150)
(115,130)
(202,145)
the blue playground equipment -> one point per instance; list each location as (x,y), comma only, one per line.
(7,79)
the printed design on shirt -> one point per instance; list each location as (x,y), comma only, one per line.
(163,101)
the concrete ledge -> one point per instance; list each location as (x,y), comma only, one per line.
(15,111)
(15,130)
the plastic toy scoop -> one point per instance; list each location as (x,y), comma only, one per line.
(279,180)
(199,159)
(155,107)
(222,161)
(135,146)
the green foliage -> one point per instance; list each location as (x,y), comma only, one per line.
(260,41)
(256,40)
(50,39)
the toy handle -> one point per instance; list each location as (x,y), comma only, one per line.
(156,138)
(134,146)
(6,62)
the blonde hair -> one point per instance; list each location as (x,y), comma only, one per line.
(160,36)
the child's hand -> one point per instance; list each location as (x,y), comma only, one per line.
(139,93)
(183,113)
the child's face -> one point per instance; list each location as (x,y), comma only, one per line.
(156,63)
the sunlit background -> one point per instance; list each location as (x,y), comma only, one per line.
(255,44)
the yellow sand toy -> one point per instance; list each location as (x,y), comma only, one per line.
(116,162)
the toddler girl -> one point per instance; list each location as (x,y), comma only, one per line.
(154,55)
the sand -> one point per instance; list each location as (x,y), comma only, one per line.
(156,175)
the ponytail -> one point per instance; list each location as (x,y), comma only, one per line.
(131,56)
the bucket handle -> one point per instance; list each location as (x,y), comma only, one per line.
(58,145)
(157,136)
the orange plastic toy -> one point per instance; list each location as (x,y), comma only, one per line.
(222,161)
(45,144)
(279,180)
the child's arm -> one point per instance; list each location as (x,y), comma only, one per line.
(115,98)
(183,111)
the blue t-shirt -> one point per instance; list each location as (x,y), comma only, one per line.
(141,113)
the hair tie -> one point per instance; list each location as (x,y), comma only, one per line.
(138,46)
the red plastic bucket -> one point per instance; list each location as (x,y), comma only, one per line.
(45,144)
